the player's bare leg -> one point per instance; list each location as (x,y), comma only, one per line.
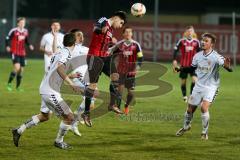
(184,89)
(33,121)
(205,119)
(194,79)
(187,120)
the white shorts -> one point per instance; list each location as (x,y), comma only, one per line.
(56,104)
(202,93)
(47,60)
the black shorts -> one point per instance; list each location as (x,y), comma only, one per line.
(184,75)
(97,65)
(127,81)
(19,59)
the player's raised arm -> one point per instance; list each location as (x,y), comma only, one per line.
(100,26)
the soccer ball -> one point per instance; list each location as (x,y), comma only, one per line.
(138,9)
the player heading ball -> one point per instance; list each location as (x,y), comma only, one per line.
(99,59)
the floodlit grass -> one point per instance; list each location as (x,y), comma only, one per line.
(138,136)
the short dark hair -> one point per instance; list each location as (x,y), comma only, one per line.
(211,36)
(122,15)
(126,27)
(69,39)
(55,21)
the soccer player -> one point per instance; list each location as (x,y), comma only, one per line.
(15,44)
(206,63)
(79,56)
(51,97)
(129,58)
(188,46)
(51,43)
(98,58)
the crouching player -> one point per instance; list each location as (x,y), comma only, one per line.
(51,97)
(206,63)
(128,56)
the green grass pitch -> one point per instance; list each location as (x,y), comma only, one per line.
(138,136)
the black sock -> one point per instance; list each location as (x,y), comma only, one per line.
(112,96)
(129,99)
(19,79)
(192,85)
(184,90)
(11,77)
(115,94)
(88,97)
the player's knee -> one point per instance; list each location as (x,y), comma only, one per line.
(44,117)
(183,83)
(130,92)
(114,76)
(194,79)
(68,119)
(92,86)
(190,108)
(96,93)
(205,106)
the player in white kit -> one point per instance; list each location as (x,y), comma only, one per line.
(51,43)
(50,93)
(206,63)
(79,58)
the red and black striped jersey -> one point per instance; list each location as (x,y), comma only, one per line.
(128,54)
(100,41)
(188,48)
(16,40)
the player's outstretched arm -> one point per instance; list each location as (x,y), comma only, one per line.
(227,64)
(75,75)
(64,76)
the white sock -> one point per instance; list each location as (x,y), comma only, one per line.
(187,120)
(81,107)
(63,128)
(28,124)
(205,122)
(93,100)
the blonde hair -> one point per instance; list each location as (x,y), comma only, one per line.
(20,19)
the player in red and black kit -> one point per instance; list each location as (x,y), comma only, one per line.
(98,58)
(188,46)
(129,57)
(15,44)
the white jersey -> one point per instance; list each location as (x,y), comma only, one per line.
(79,58)
(52,81)
(208,69)
(47,44)
(79,49)
(47,41)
